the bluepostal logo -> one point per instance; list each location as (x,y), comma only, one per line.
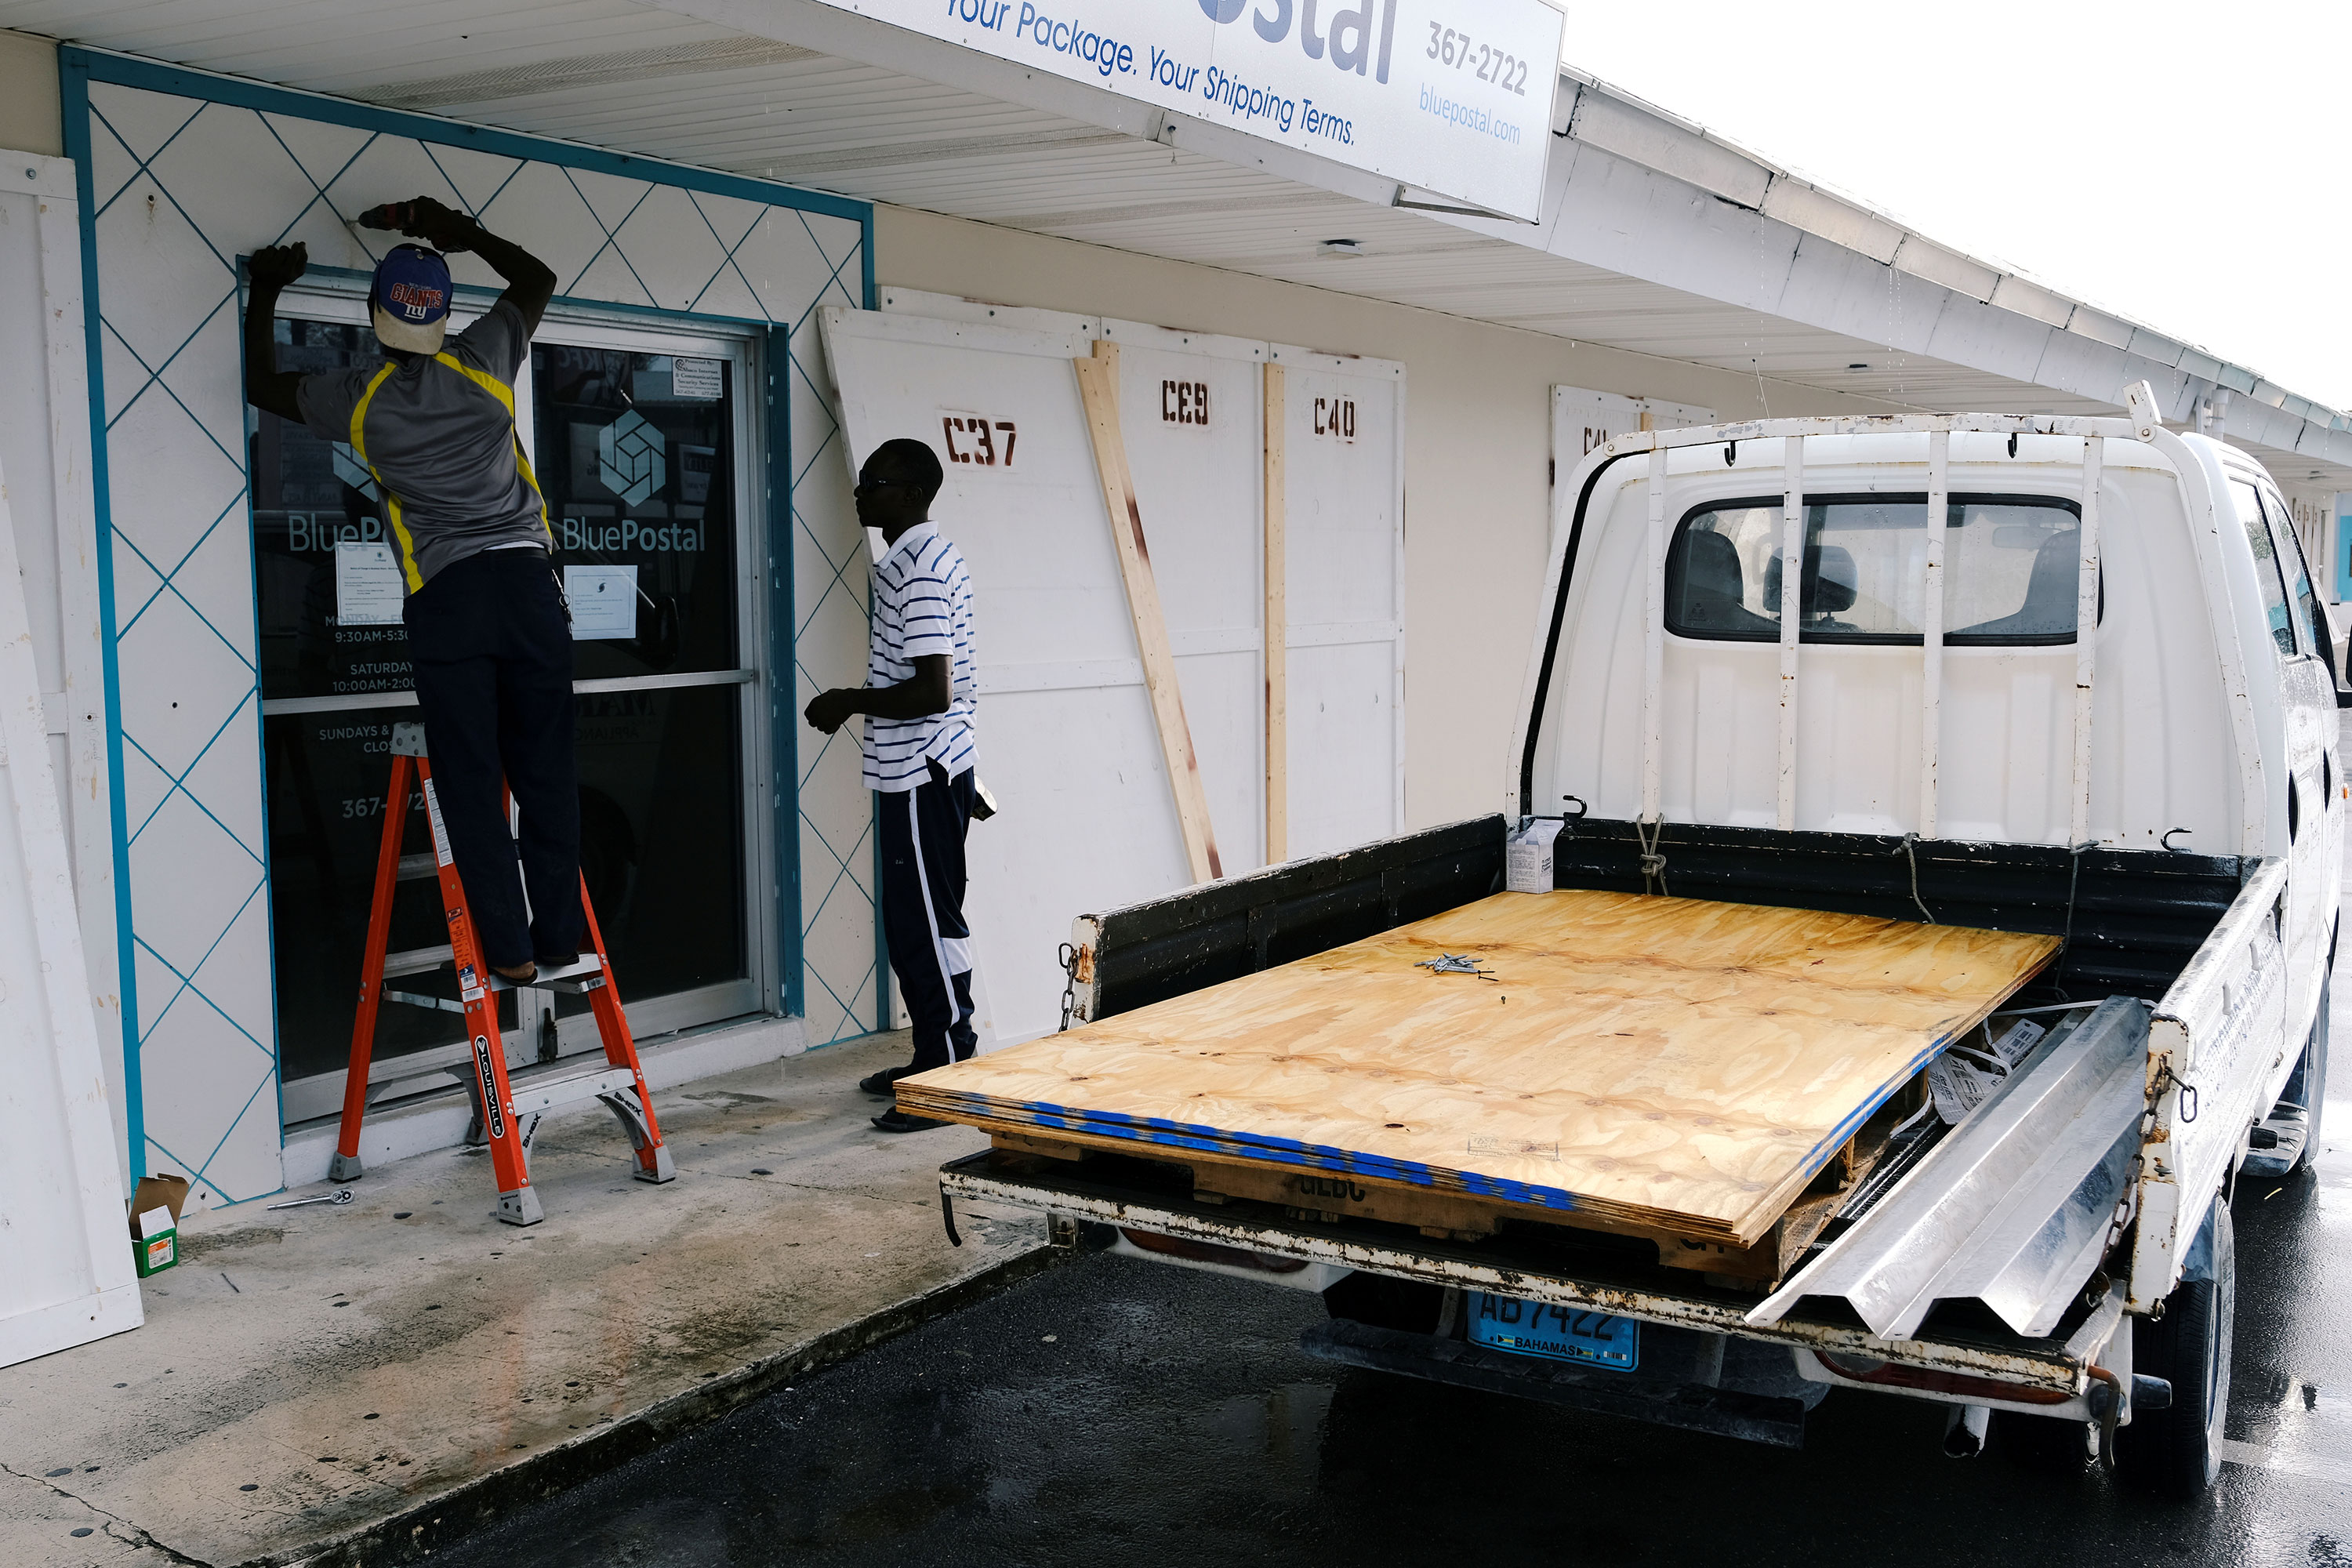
(629,458)
(1348,36)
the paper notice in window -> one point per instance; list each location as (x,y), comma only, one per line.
(604,602)
(695,378)
(367,584)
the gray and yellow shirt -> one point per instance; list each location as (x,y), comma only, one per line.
(439,435)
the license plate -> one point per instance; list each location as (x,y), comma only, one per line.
(1558,1333)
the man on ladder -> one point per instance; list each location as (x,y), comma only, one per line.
(490,634)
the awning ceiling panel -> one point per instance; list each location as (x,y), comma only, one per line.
(650,80)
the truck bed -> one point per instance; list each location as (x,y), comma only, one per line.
(2128,923)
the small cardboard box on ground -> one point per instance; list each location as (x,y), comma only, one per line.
(155,1222)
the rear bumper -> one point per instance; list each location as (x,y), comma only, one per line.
(1693,1407)
(2057,1365)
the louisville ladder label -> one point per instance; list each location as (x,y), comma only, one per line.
(494,1116)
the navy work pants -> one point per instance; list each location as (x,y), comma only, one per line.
(492,643)
(922,911)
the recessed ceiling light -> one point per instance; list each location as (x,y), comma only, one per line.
(1857,367)
(1342,248)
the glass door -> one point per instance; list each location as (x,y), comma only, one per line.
(642,450)
(644,442)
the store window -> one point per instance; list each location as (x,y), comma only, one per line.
(2011,566)
(642,440)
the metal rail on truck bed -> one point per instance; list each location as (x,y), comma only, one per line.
(1127,958)
(2132,920)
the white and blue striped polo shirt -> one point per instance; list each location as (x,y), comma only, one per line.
(922,606)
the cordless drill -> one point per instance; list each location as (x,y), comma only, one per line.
(392,215)
(402,216)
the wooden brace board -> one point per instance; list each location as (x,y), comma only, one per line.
(1098,387)
(1663,1065)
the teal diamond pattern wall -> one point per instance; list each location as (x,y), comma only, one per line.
(182,184)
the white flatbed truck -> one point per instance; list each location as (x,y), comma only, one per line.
(1912,726)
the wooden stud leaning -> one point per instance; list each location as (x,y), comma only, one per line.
(1278,626)
(1098,387)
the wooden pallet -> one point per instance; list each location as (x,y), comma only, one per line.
(1659,1066)
(1318,1197)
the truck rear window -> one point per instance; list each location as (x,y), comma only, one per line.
(2009,571)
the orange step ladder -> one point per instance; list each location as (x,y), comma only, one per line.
(501,1104)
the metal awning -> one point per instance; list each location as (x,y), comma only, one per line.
(1658,238)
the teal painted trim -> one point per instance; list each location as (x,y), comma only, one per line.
(125,70)
(784,654)
(73,87)
(260,743)
(881,928)
(482,296)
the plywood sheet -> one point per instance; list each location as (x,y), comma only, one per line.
(1670,1062)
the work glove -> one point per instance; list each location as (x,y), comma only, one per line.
(275,266)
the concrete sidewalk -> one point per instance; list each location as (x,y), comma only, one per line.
(331,1383)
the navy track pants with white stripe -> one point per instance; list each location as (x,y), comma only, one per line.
(922,911)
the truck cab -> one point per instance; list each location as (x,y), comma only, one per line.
(2041,674)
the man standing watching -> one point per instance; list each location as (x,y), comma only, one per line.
(918,699)
(488,632)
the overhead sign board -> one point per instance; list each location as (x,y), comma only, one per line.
(1454,97)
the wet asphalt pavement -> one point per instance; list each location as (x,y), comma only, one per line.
(1113,1410)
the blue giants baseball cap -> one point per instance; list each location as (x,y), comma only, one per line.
(409,301)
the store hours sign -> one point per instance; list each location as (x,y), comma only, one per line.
(1454,97)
